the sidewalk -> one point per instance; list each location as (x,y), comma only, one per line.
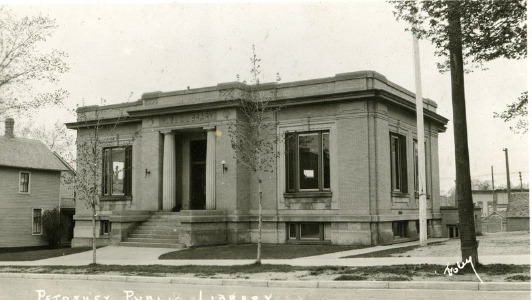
(117,255)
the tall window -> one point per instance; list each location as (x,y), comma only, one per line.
(37,221)
(24,182)
(398,163)
(416,168)
(117,165)
(308,161)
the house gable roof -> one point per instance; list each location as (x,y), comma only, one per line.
(518,206)
(494,215)
(29,154)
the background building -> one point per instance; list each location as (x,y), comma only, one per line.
(29,184)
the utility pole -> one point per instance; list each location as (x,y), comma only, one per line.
(521,181)
(508,184)
(494,199)
(466,210)
(422,193)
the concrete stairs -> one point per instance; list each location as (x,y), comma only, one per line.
(160,231)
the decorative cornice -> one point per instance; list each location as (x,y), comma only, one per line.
(365,84)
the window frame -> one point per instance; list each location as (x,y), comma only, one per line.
(20,182)
(292,142)
(398,164)
(297,231)
(33,227)
(401,227)
(105,227)
(107,182)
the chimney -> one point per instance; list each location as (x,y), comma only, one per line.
(9,128)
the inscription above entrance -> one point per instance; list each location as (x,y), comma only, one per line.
(189,118)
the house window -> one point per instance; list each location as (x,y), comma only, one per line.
(400,229)
(37,221)
(24,183)
(398,163)
(308,231)
(105,227)
(117,165)
(308,161)
(416,168)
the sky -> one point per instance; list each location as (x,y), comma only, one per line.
(119,51)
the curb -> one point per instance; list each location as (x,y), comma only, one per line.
(412,285)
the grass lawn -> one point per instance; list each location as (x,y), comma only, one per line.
(425,272)
(500,244)
(36,253)
(388,252)
(249,251)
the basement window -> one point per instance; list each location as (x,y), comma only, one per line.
(105,227)
(400,229)
(308,231)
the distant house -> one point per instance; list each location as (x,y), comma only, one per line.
(518,213)
(449,216)
(485,200)
(30,176)
(494,222)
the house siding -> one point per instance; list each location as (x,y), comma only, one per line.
(16,209)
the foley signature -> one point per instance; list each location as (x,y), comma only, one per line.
(459,266)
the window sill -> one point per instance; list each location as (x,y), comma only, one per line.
(398,240)
(400,195)
(304,241)
(309,194)
(115,198)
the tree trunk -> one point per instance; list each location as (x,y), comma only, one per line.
(464,197)
(259,243)
(93,235)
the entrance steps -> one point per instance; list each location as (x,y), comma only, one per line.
(160,231)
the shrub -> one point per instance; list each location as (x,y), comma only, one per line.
(518,278)
(396,278)
(350,277)
(53,227)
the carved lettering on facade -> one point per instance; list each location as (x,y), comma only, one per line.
(197,117)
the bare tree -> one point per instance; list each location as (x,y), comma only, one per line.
(56,137)
(24,62)
(93,136)
(254,137)
(481,185)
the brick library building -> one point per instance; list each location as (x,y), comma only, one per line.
(168,176)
